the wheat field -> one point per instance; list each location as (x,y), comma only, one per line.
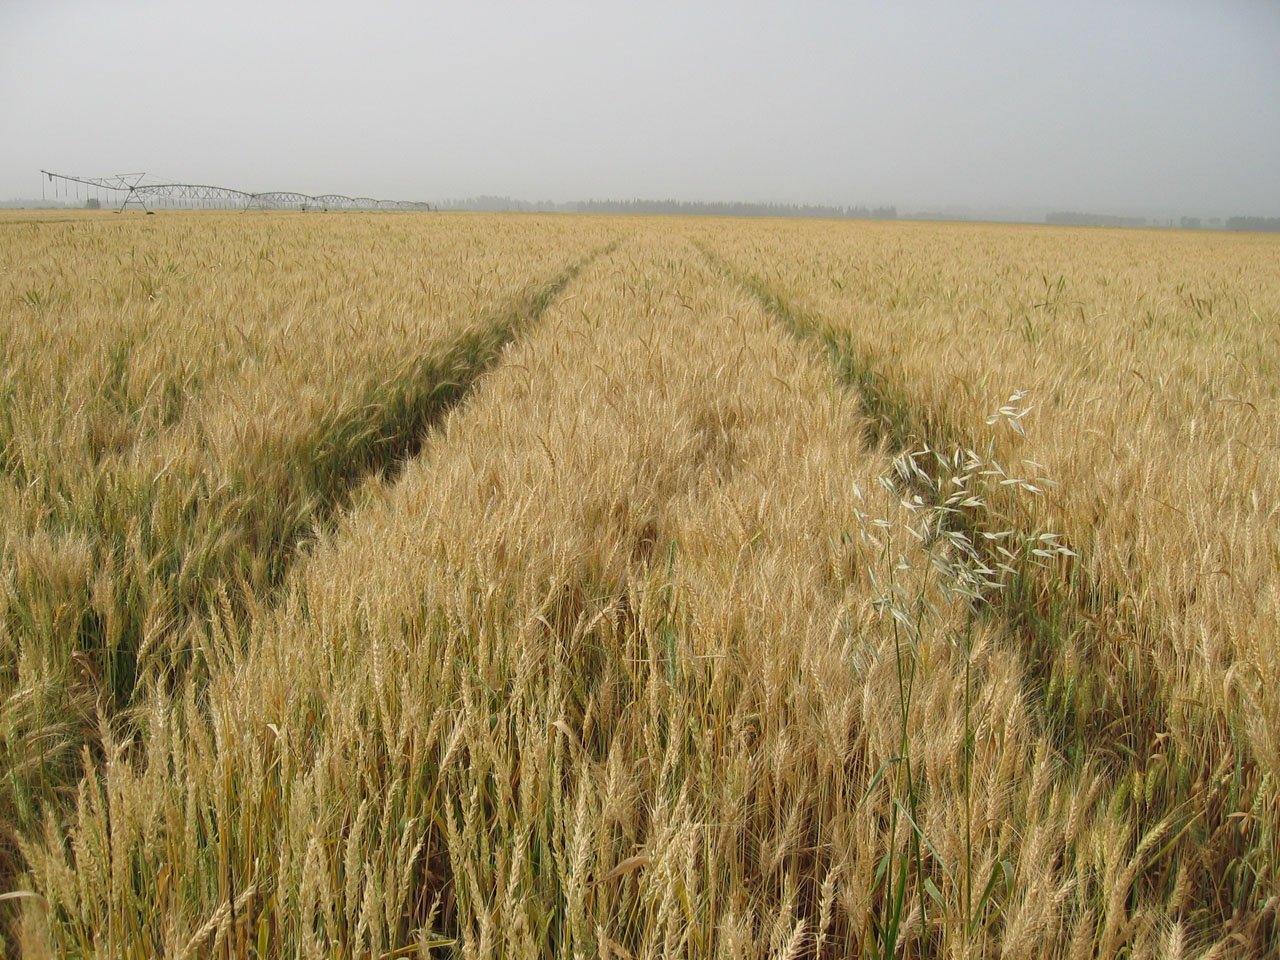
(409,585)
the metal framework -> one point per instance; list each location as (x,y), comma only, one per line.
(136,188)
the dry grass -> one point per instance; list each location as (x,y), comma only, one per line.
(642,653)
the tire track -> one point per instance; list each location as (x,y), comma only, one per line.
(1073,630)
(248,546)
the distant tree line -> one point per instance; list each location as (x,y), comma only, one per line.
(1074,219)
(492,204)
(1267,224)
(697,208)
(691,208)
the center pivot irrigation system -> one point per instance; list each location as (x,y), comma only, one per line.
(137,188)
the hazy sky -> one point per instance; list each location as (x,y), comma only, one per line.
(1120,106)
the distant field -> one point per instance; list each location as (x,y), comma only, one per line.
(391,585)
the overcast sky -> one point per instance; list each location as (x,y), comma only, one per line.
(1103,106)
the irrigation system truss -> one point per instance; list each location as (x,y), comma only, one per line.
(136,188)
